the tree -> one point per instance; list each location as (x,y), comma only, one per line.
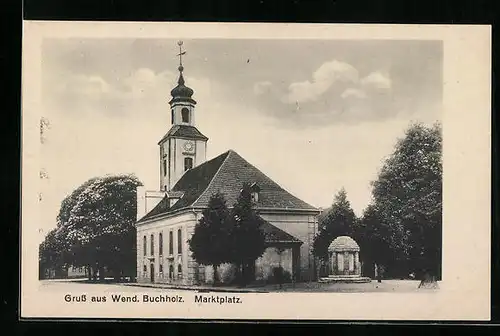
(97,221)
(340,220)
(209,243)
(50,254)
(407,196)
(247,240)
(373,237)
(279,275)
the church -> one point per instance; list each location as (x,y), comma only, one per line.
(166,218)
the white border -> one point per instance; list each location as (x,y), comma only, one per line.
(465,289)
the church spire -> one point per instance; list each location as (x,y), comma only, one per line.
(184,146)
(181,67)
(181,93)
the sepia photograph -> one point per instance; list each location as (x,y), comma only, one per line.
(181,169)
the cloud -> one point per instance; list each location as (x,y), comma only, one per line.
(143,80)
(83,85)
(142,90)
(336,94)
(261,87)
(352,92)
(377,80)
(322,79)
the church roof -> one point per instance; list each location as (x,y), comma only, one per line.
(226,173)
(184,131)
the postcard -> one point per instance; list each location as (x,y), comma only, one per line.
(256,171)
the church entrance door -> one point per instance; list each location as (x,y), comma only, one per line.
(152,271)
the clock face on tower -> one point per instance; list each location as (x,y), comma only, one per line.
(189,146)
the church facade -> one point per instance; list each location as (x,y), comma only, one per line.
(166,218)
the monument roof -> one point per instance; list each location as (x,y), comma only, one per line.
(343,243)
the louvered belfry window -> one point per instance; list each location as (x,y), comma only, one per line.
(188,163)
(185,115)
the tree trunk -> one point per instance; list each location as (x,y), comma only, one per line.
(242,274)
(281,270)
(249,267)
(41,271)
(239,274)
(89,272)
(378,272)
(216,275)
(246,274)
(428,282)
(101,273)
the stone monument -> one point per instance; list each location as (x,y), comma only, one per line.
(343,261)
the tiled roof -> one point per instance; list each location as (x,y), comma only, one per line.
(195,181)
(227,173)
(162,207)
(184,131)
(276,235)
(234,172)
(192,183)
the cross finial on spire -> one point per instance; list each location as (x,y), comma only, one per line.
(180,43)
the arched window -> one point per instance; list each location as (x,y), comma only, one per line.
(152,244)
(170,242)
(185,115)
(145,245)
(179,271)
(188,163)
(161,268)
(145,268)
(179,241)
(160,244)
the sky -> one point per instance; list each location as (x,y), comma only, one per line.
(314,115)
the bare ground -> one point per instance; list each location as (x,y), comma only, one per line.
(386,286)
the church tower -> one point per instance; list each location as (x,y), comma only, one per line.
(183,147)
